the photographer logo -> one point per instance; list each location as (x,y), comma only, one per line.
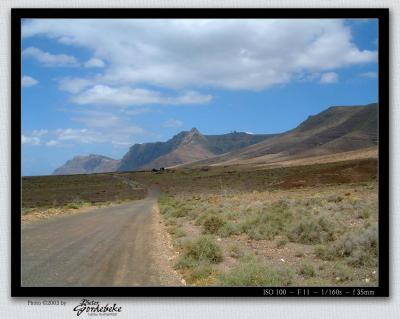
(95,308)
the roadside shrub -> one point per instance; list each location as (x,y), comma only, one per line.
(201,271)
(254,273)
(325,252)
(235,251)
(229,229)
(211,212)
(176,231)
(268,223)
(186,262)
(361,248)
(363,214)
(212,224)
(171,208)
(74,205)
(313,231)
(335,199)
(281,243)
(203,249)
(343,272)
(26,211)
(306,270)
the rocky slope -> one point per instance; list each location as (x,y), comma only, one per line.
(185,147)
(87,164)
(337,129)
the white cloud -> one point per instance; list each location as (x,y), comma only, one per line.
(39,133)
(120,133)
(28,81)
(76,135)
(52,143)
(34,137)
(370,75)
(124,96)
(172,123)
(329,78)
(50,60)
(30,140)
(232,54)
(74,85)
(100,127)
(94,63)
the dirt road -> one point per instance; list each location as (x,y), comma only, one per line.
(114,246)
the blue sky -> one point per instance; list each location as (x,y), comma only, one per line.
(100,86)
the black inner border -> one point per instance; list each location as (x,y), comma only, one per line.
(240,13)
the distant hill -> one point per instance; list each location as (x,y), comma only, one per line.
(337,129)
(185,147)
(87,164)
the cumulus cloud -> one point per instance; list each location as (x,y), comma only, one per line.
(94,63)
(74,85)
(172,123)
(28,81)
(119,134)
(329,78)
(39,133)
(34,137)
(50,60)
(185,54)
(96,127)
(124,96)
(30,140)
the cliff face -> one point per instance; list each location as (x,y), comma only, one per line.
(185,147)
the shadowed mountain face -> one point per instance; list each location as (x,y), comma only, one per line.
(337,129)
(185,147)
(87,164)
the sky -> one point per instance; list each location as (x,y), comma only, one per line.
(99,86)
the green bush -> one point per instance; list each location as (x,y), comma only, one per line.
(229,229)
(268,223)
(363,214)
(186,262)
(203,249)
(361,248)
(212,224)
(201,271)
(281,243)
(176,231)
(343,272)
(254,273)
(235,251)
(307,270)
(203,216)
(171,208)
(325,252)
(313,231)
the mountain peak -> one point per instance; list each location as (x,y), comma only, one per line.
(193,136)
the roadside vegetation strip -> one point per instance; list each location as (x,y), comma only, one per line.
(48,196)
(318,235)
(63,190)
